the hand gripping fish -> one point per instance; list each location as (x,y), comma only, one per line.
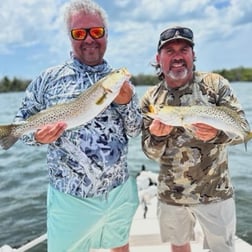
(219,117)
(79,111)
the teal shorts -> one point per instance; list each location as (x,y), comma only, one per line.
(75,224)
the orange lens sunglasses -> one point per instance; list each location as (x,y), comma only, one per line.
(81,33)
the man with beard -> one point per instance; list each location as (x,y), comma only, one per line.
(193,180)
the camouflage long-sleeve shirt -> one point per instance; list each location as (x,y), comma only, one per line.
(191,171)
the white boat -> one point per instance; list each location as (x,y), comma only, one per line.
(144,234)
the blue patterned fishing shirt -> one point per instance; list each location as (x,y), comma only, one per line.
(91,159)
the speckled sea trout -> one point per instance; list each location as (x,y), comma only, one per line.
(219,117)
(79,111)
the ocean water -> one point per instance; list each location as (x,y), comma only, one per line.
(23,178)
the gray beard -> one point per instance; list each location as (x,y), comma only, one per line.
(177,75)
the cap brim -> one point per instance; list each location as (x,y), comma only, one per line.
(162,43)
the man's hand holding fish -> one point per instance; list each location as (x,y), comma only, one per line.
(204,132)
(158,128)
(125,94)
(50,132)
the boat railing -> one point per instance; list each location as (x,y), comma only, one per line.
(26,247)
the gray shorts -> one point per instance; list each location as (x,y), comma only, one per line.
(217,220)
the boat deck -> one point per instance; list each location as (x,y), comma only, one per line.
(144,235)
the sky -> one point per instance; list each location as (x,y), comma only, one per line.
(33,35)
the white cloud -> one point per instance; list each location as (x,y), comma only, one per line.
(221,29)
(123,3)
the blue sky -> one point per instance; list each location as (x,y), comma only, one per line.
(33,34)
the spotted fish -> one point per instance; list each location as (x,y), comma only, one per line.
(219,117)
(75,113)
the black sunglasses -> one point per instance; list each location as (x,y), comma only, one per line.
(81,33)
(180,31)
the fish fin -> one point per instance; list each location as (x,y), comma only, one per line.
(6,137)
(151,112)
(245,146)
(151,108)
(247,138)
(107,90)
(101,99)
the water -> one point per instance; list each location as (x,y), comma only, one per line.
(23,179)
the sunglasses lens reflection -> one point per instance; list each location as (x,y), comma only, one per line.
(79,34)
(94,32)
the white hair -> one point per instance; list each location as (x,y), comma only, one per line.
(87,7)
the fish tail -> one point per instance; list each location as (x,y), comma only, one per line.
(7,139)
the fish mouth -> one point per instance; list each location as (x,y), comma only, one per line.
(126,72)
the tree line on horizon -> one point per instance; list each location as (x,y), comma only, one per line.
(241,74)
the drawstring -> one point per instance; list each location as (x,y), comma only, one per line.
(90,80)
